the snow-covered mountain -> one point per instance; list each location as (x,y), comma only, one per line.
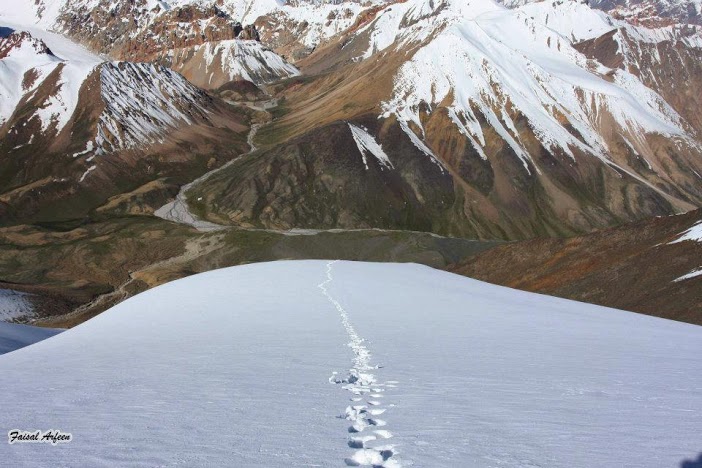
(47,77)
(69,118)
(649,13)
(214,64)
(481,60)
(197,38)
(358,364)
(549,118)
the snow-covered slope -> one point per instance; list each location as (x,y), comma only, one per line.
(14,336)
(278,364)
(481,61)
(214,64)
(143,102)
(135,30)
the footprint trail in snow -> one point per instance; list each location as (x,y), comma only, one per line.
(367,433)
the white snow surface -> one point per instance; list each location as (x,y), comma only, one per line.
(235,367)
(15,336)
(693,274)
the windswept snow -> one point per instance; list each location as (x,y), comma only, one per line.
(368,145)
(692,274)
(232,367)
(421,146)
(694,234)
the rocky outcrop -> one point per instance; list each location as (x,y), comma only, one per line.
(653,13)
(249,33)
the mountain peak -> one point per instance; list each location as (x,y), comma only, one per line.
(22,42)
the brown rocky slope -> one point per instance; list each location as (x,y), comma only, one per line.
(636,267)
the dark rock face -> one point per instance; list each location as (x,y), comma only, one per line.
(320,181)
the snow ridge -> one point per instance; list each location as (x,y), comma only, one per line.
(364,385)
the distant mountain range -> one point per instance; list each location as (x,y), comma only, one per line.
(463,118)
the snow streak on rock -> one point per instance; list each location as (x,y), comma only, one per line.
(367,400)
(367,144)
(143,102)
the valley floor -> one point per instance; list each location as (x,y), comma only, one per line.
(317,363)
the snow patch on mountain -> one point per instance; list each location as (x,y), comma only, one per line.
(693,274)
(420,145)
(574,20)
(14,305)
(692,234)
(315,21)
(245,60)
(368,145)
(578,22)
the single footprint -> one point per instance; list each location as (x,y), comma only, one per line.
(365,457)
(377,457)
(358,426)
(377,422)
(360,442)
